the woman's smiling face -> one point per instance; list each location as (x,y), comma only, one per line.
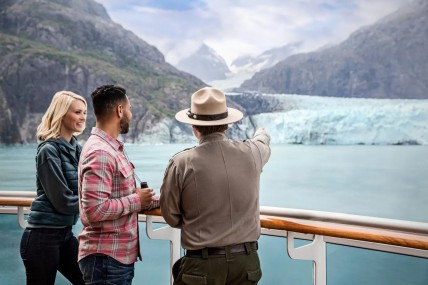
(75,118)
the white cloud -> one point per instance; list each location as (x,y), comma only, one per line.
(235,28)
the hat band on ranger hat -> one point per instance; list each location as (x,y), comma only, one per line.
(213,117)
(208,108)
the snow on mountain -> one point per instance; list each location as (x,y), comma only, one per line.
(323,120)
(265,60)
(205,64)
(245,67)
(210,66)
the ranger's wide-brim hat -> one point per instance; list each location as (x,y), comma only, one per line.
(208,108)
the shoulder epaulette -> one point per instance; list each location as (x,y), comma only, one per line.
(184,150)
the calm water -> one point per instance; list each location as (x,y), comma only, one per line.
(381,181)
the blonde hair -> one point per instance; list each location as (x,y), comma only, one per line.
(50,127)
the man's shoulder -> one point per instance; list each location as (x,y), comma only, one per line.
(183,153)
(96,144)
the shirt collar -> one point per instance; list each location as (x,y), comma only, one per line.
(220,136)
(115,143)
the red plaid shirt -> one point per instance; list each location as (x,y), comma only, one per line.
(108,203)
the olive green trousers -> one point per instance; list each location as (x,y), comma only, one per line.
(230,269)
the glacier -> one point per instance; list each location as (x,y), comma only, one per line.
(318,120)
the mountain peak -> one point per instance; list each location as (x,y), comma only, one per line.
(206,64)
(266,59)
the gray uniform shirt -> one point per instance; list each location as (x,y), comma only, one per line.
(211,191)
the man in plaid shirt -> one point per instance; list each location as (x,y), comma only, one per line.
(108,199)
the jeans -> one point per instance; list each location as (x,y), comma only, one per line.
(45,251)
(105,270)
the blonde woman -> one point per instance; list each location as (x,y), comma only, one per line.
(48,244)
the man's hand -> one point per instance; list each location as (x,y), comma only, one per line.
(145,195)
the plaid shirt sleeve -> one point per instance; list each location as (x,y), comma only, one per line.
(103,195)
(155,203)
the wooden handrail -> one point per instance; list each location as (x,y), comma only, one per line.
(15,201)
(153,212)
(410,240)
(382,236)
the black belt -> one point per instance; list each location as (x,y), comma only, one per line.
(235,248)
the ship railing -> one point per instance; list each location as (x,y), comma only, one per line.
(319,228)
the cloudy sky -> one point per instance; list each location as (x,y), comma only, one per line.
(235,28)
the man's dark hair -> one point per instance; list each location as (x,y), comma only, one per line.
(206,130)
(105,98)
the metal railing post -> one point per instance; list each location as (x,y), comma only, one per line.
(315,251)
(21,218)
(166,233)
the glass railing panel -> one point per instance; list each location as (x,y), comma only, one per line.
(278,267)
(356,266)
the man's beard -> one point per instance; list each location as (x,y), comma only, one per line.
(124,125)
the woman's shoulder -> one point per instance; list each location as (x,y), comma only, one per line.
(48,148)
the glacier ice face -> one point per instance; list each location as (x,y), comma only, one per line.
(327,120)
(321,120)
